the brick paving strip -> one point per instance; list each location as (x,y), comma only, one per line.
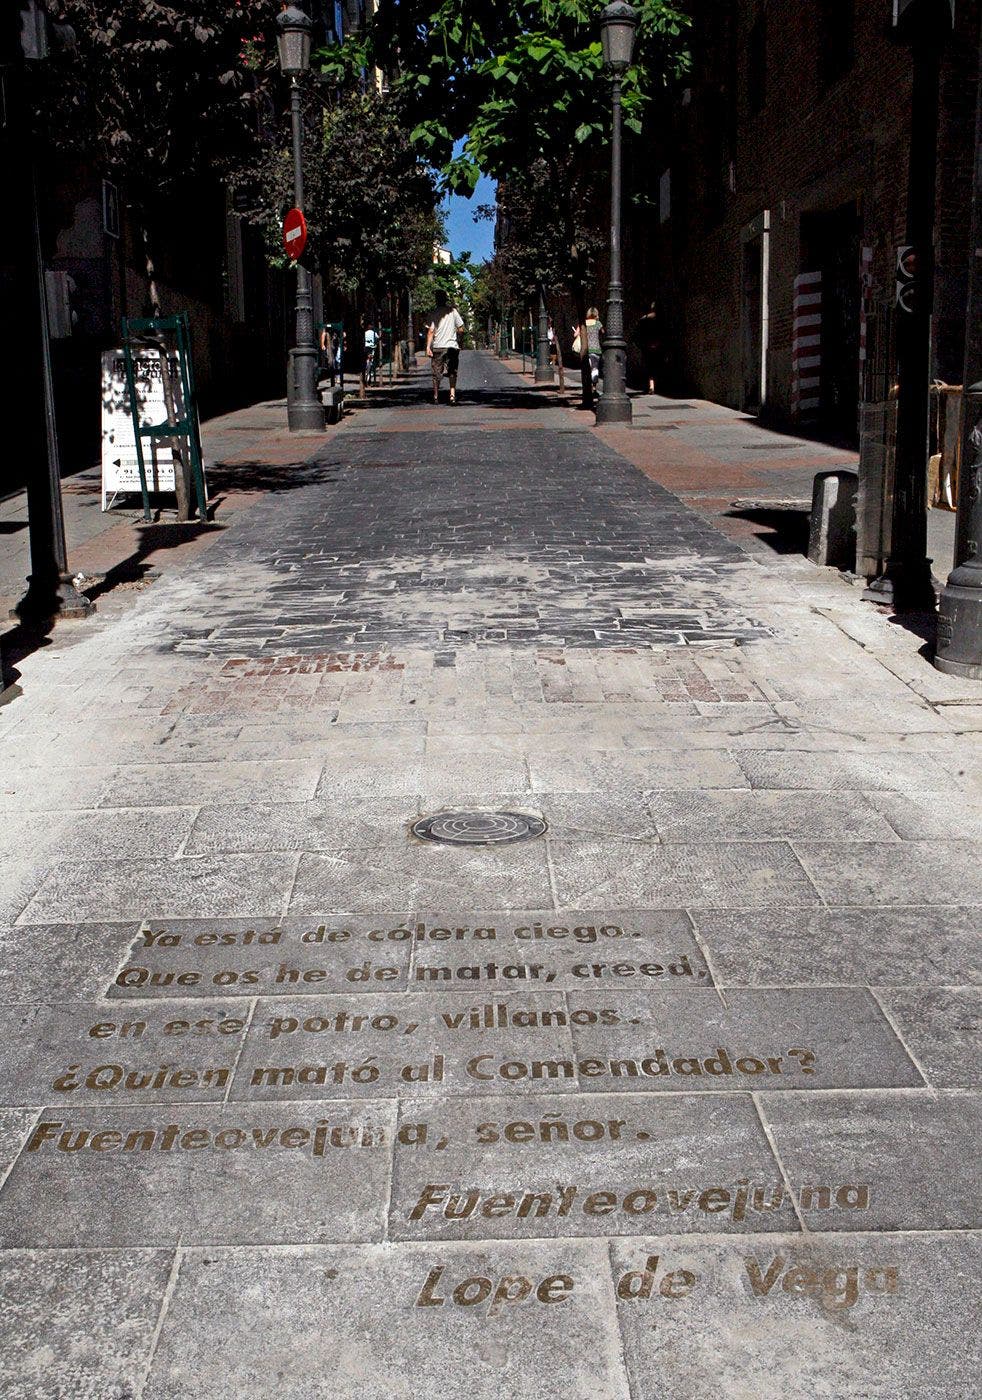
(678,1101)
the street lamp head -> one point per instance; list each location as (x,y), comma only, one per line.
(617,25)
(293,40)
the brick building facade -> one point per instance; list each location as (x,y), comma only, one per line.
(781,203)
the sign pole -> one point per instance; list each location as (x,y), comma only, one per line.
(304,411)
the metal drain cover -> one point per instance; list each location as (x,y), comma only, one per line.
(479,828)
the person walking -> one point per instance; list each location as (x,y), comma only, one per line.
(371,349)
(594,343)
(647,337)
(443,344)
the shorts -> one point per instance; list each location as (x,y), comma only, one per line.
(445,361)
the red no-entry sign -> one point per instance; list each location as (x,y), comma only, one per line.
(294,233)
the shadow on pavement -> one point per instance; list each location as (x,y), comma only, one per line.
(784,530)
(415,396)
(138,569)
(260,478)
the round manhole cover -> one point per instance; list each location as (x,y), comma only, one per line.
(479,828)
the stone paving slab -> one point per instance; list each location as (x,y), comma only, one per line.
(83,1053)
(263,956)
(926,816)
(941,1027)
(814,1038)
(891,772)
(39,788)
(912,872)
(360,881)
(15,1124)
(194,783)
(569,1165)
(79,1324)
(571,951)
(778,1318)
(403,1322)
(145,833)
(870,946)
(763,874)
(300,826)
(915,1153)
(763,815)
(197,1174)
(645,771)
(82,891)
(19,881)
(62,960)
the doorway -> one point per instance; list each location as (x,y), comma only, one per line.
(831,244)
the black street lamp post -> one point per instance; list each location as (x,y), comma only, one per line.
(906,584)
(543,361)
(617,25)
(959,649)
(304,410)
(51,591)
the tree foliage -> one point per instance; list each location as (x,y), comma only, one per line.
(512,79)
(369,199)
(455,279)
(515,89)
(153,91)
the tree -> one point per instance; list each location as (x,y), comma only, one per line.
(154,92)
(520,83)
(369,198)
(455,279)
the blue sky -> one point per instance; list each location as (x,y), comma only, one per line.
(463,234)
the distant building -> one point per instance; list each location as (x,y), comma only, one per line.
(780,202)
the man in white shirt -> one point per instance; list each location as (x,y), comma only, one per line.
(443,346)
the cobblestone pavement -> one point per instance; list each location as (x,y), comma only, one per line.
(678,1100)
(446,538)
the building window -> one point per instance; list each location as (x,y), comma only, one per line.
(837,39)
(757,64)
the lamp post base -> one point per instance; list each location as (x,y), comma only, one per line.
(544,374)
(614,409)
(304,410)
(959,649)
(49,598)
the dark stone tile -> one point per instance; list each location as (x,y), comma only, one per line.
(39,961)
(816,1038)
(860,1316)
(941,1027)
(569,1165)
(82,1053)
(913,1154)
(79,1324)
(180,889)
(898,947)
(313,1319)
(265,957)
(198,1174)
(574,950)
